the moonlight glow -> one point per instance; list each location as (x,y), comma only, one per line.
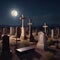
(14,13)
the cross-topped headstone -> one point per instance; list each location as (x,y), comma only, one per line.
(31,38)
(45,27)
(30,24)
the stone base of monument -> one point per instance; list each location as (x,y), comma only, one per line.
(21,38)
(40,46)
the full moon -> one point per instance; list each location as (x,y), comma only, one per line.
(14,13)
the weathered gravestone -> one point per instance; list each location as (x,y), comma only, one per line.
(41,41)
(5,43)
(6,55)
(18,32)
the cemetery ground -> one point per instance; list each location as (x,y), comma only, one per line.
(52,53)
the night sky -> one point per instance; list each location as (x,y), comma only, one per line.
(39,11)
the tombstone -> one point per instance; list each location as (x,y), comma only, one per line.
(5,43)
(31,37)
(57,29)
(12,31)
(4,30)
(42,41)
(5,48)
(52,33)
(18,32)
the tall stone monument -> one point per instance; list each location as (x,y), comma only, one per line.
(41,41)
(45,27)
(22,29)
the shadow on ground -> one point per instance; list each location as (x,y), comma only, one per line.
(51,50)
(28,55)
(6,56)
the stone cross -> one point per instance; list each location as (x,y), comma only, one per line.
(45,27)
(30,24)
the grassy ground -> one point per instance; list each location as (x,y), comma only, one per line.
(41,53)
